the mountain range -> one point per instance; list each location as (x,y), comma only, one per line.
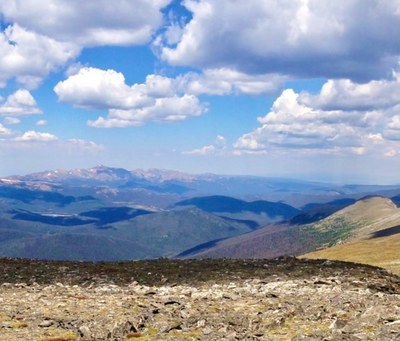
(162,188)
(367,231)
(105,213)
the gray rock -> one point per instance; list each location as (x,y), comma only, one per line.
(46,323)
(84,332)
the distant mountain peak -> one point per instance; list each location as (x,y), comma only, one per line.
(106,173)
(99,173)
(161,175)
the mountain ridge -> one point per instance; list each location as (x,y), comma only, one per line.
(358,221)
(260,211)
(114,204)
(171,186)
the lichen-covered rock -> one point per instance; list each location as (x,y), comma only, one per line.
(316,306)
(290,309)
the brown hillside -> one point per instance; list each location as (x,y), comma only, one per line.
(383,252)
(361,221)
(375,242)
(371,215)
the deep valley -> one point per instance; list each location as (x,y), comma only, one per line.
(111,214)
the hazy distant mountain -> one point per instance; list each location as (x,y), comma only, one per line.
(104,183)
(154,213)
(165,187)
(359,221)
(100,174)
(150,235)
(316,211)
(101,216)
(28,195)
(171,232)
(161,188)
(38,220)
(260,211)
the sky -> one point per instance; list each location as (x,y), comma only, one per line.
(306,89)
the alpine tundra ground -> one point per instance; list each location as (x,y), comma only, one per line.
(281,299)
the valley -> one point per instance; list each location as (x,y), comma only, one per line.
(112,214)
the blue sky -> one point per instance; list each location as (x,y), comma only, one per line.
(304,89)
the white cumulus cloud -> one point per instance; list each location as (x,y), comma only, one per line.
(351,39)
(4,130)
(224,81)
(101,89)
(158,99)
(29,57)
(35,136)
(163,110)
(88,23)
(392,131)
(344,94)
(44,35)
(19,103)
(85,145)
(344,116)
(41,123)
(11,120)
(218,147)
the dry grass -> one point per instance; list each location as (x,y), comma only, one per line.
(370,215)
(383,252)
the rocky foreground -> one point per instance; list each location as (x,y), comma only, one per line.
(282,299)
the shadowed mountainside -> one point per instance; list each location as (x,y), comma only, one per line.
(260,211)
(358,222)
(317,211)
(77,211)
(376,242)
(219,203)
(125,234)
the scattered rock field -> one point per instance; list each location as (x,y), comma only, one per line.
(284,299)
